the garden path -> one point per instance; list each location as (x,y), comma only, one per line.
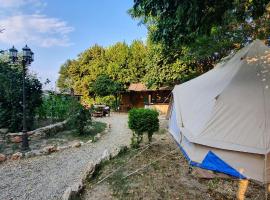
(47,177)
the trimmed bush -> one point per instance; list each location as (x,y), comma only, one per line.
(80,118)
(142,121)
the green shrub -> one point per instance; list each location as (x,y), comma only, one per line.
(11,93)
(79,118)
(56,107)
(142,121)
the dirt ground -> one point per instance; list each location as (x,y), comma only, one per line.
(163,174)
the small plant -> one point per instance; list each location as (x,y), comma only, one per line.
(142,121)
(80,118)
(213,184)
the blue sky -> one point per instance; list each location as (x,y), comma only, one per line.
(57,30)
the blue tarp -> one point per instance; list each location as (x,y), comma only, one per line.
(214,163)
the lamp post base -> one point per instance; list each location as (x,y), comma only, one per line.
(25,143)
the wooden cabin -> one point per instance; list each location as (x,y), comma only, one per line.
(139,96)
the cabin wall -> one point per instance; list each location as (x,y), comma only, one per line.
(145,99)
(161,108)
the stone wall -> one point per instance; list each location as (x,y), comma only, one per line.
(38,133)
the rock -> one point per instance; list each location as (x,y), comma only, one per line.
(98,136)
(89,141)
(17,156)
(29,154)
(61,148)
(73,192)
(16,139)
(90,170)
(36,152)
(2,158)
(105,155)
(76,144)
(3,131)
(14,134)
(49,149)
(115,152)
(37,135)
(67,194)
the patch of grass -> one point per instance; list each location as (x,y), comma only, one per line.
(162,131)
(98,127)
(115,162)
(119,183)
(90,132)
(213,184)
(98,170)
(155,166)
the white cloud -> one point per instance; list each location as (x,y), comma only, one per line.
(17,3)
(35,29)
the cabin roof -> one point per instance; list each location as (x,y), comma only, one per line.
(139,87)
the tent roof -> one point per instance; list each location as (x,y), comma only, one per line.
(229,106)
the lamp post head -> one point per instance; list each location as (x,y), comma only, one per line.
(13,54)
(28,55)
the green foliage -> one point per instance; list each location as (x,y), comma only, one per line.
(80,118)
(105,86)
(56,107)
(59,107)
(142,121)
(123,65)
(161,71)
(11,97)
(178,25)
(64,82)
(107,100)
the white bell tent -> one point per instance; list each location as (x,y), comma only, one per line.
(221,119)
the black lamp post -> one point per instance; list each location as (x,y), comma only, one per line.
(27,59)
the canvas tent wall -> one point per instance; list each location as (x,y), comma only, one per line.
(221,119)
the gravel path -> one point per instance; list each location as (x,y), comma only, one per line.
(47,177)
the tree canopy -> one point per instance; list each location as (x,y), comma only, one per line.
(11,97)
(185,39)
(214,25)
(105,86)
(120,62)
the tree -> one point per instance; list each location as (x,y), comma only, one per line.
(137,61)
(160,71)
(105,86)
(178,25)
(64,81)
(11,97)
(115,61)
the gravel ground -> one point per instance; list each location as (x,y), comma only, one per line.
(47,177)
